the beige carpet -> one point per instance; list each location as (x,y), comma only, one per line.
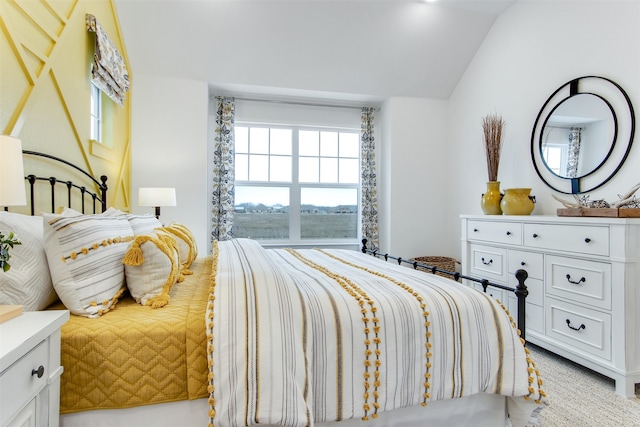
(579,397)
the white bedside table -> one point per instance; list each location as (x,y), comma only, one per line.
(30,369)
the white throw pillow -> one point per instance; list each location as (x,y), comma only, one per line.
(84,254)
(143,224)
(28,282)
(186,243)
(152,267)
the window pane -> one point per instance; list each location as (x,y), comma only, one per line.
(281,141)
(329,213)
(349,171)
(308,169)
(329,144)
(241,167)
(258,168)
(241,136)
(349,145)
(308,141)
(259,141)
(281,168)
(261,213)
(328,170)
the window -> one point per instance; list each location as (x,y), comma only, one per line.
(96,113)
(296,184)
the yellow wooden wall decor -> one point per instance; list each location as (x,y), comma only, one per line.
(45,71)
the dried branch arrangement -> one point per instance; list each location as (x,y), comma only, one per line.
(492,126)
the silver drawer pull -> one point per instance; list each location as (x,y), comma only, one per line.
(487,262)
(39,372)
(582,279)
(573,327)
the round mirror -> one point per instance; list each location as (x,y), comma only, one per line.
(582,135)
(578,136)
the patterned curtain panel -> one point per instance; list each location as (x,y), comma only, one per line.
(109,71)
(574,152)
(223,171)
(369,201)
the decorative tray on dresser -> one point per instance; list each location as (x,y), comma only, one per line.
(30,369)
(584,284)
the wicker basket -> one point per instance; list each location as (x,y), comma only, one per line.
(440,262)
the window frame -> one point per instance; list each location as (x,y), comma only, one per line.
(97,118)
(295,188)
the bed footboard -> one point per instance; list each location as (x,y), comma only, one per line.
(520,290)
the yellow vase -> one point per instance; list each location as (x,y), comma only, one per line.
(517,201)
(491,199)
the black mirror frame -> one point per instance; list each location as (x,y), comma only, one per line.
(574,88)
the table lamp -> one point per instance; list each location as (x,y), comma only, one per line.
(156,197)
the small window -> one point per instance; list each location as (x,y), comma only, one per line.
(96,113)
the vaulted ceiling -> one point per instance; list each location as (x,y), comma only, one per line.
(348,49)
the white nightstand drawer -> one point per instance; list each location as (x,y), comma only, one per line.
(498,232)
(588,330)
(489,263)
(583,239)
(20,382)
(532,262)
(578,280)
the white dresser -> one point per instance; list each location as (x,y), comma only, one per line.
(584,284)
(30,369)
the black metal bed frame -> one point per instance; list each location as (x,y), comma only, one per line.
(520,290)
(97,199)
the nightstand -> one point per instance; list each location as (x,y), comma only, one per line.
(30,369)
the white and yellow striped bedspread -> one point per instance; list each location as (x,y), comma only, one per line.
(304,336)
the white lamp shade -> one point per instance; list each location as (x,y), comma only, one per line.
(156,196)
(12,192)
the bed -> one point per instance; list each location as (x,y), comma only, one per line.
(249,335)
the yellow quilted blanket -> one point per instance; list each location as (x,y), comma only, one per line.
(137,355)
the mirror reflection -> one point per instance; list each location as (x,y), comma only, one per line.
(578,136)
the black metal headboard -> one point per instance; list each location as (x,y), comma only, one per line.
(98,198)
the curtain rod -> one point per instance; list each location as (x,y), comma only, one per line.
(307,104)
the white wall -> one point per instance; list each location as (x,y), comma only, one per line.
(169,148)
(414,170)
(532,49)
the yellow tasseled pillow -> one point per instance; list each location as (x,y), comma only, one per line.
(152,267)
(186,244)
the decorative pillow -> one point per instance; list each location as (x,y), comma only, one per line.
(186,244)
(152,267)
(84,253)
(28,282)
(143,224)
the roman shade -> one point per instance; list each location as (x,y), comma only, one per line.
(109,71)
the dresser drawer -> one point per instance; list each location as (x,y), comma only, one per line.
(489,262)
(534,314)
(495,232)
(584,281)
(577,327)
(17,383)
(532,262)
(535,288)
(495,293)
(591,240)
